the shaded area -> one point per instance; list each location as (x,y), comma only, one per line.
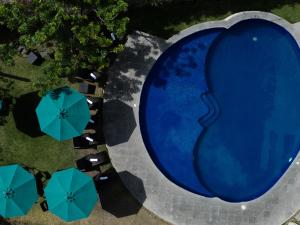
(44,206)
(175,16)
(35,58)
(7,35)
(6,98)
(294,219)
(4,111)
(119,122)
(98,118)
(81,142)
(140,54)
(86,164)
(4,221)
(41,177)
(25,116)
(14,77)
(123,87)
(116,199)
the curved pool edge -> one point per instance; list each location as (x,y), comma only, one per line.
(235,18)
(157,193)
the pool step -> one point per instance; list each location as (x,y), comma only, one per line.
(213,110)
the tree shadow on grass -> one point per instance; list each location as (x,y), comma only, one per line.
(116,199)
(161,21)
(25,116)
(6,75)
(4,112)
(7,35)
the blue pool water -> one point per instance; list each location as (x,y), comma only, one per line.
(220,110)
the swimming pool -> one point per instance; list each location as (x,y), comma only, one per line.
(219,110)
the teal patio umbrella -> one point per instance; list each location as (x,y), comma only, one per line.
(63,113)
(17,191)
(71,195)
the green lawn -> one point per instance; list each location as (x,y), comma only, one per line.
(171,18)
(41,152)
(22,70)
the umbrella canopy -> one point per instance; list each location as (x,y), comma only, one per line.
(17,191)
(71,195)
(63,113)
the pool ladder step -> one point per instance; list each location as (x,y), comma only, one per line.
(213,110)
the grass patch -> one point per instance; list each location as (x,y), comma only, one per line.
(40,152)
(23,74)
(169,19)
(43,153)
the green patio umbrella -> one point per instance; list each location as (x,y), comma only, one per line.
(63,113)
(71,195)
(17,191)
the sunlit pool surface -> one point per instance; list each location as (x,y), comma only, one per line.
(220,110)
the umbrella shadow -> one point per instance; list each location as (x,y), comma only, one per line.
(119,122)
(25,116)
(41,178)
(116,199)
(97,124)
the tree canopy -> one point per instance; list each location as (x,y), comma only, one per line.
(81,34)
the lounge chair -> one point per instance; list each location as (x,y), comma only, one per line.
(34,58)
(101,178)
(95,102)
(87,88)
(95,76)
(91,161)
(93,123)
(100,158)
(87,75)
(44,206)
(85,141)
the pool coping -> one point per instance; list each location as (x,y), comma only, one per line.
(158,194)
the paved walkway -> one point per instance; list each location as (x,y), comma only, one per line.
(153,189)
